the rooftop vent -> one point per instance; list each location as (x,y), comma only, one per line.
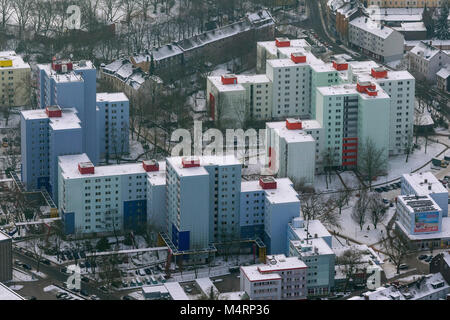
(268,183)
(5,62)
(340,64)
(229,79)
(86,168)
(379,72)
(53,111)
(150,165)
(294,124)
(190,162)
(282,42)
(298,57)
(62,66)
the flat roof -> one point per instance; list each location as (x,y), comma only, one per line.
(17,61)
(155,289)
(253,274)
(158,178)
(226,160)
(284,193)
(112,97)
(176,291)
(350,89)
(271,47)
(317,246)
(419,204)
(280,262)
(68,119)
(417,182)
(70,76)
(8,294)
(69,167)
(314,227)
(300,135)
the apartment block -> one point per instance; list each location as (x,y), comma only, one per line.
(426,60)
(377,41)
(14,80)
(404,3)
(101,199)
(293,148)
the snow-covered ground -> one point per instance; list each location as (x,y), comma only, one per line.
(20,276)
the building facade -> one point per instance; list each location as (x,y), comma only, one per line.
(6,269)
(15,80)
(425,60)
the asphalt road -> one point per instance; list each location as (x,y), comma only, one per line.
(54,276)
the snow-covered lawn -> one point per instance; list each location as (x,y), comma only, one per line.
(351,229)
(20,276)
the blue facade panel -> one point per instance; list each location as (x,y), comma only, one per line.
(44,183)
(182,239)
(134,214)
(252,231)
(268,242)
(69,222)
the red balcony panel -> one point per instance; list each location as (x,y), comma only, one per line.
(350,157)
(350,151)
(350,144)
(347,139)
(352,163)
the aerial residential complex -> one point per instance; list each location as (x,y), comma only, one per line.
(14,80)
(72,119)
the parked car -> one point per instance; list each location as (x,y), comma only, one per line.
(103,289)
(85,279)
(26,266)
(429,258)
(94,297)
(83,292)
(142,272)
(403,266)
(379,190)
(386,201)
(422,257)
(148,271)
(60,295)
(127,297)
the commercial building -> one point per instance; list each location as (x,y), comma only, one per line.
(421,224)
(423,184)
(294,149)
(15,84)
(280,278)
(426,60)
(377,41)
(101,199)
(311,242)
(6,269)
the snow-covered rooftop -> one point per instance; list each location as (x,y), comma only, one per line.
(68,119)
(312,247)
(411,26)
(176,291)
(17,61)
(444,72)
(425,50)
(69,168)
(417,182)
(284,193)
(253,274)
(158,178)
(372,27)
(226,160)
(292,136)
(112,97)
(4,236)
(315,227)
(8,294)
(154,289)
(280,262)
(417,204)
(417,290)
(348,89)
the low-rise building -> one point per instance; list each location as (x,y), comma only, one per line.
(441,264)
(280,278)
(428,287)
(426,60)
(443,79)
(8,294)
(425,183)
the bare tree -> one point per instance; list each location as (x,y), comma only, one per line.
(396,248)
(341,198)
(319,207)
(6,10)
(376,208)
(329,162)
(349,262)
(23,10)
(359,213)
(372,161)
